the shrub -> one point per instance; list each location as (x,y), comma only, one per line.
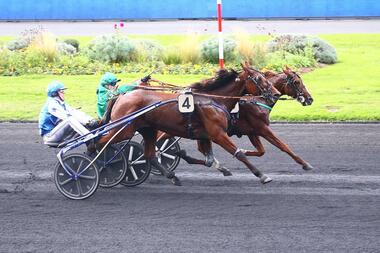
(18,44)
(279,59)
(114,48)
(189,49)
(44,45)
(259,55)
(322,51)
(172,55)
(66,49)
(244,46)
(25,39)
(34,58)
(72,42)
(148,50)
(4,57)
(210,50)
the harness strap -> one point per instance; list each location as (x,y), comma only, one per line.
(262,105)
(189,127)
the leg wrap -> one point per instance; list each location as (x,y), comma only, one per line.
(216,164)
(239,154)
(209,160)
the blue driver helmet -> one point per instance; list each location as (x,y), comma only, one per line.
(54,87)
(109,79)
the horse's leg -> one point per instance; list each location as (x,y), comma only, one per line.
(225,142)
(257,144)
(269,135)
(215,124)
(150,138)
(205,147)
(226,172)
(181,153)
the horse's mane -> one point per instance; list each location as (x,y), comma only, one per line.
(221,78)
(269,74)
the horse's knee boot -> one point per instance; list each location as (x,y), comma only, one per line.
(240,155)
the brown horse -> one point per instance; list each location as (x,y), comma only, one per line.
(253,119)
(207,123)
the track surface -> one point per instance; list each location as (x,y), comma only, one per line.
(334,208)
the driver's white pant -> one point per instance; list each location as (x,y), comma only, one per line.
(63,129)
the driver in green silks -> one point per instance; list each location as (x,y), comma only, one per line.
(108,88)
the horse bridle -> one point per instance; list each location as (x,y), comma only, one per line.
(265,92)
(292,83)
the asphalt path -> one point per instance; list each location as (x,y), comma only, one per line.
(334,208)
(197,27)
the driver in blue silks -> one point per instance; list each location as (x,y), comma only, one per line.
(57,119)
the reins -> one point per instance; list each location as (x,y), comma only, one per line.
(176,88)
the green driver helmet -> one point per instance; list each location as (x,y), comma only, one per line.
(109,79)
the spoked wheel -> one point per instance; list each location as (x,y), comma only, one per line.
(166,151)
(138,168)
(112,166)
(80,181)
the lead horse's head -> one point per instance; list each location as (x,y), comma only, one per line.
(295,88)
(257,84)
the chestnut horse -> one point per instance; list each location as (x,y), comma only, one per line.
(253,119)
(207,123)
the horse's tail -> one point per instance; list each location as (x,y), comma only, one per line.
(107,115)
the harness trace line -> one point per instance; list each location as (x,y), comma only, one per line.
(125,121)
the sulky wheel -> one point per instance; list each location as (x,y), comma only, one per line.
(82,182)
(166,151)
(138,168)
(112,166)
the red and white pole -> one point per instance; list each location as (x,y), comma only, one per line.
(220,34)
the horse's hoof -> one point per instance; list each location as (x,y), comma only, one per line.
(175,180)
(226,172)
(265,179)
(307,166)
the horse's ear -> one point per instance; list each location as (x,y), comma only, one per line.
(244,66)
(286,70)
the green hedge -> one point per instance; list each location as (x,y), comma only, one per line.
(118,53)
